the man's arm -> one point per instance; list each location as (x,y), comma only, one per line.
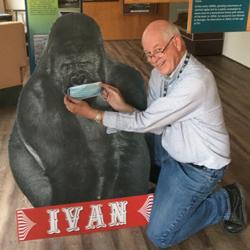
(111,94)
(114,98)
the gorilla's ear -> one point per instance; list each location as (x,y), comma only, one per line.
(131,84)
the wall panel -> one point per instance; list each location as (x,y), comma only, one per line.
(115,25)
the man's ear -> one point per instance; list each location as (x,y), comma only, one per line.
(178,42)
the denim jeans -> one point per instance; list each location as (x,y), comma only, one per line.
(185,201)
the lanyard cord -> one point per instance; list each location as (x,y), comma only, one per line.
(185,63)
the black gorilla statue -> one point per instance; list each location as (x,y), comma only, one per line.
(57,157)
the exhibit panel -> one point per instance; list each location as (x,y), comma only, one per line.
(40,17)
(212,16)
(219,16)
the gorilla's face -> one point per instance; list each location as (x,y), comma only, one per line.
(75,52)
(73,68)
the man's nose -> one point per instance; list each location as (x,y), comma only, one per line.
(154,59)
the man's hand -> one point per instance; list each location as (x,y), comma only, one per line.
(80,108)
(114,98)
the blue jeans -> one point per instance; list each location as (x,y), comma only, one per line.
(185,201)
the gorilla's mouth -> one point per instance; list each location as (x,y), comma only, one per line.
(77,78)
(77,73)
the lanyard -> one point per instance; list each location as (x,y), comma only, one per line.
(166,83)
(186,60)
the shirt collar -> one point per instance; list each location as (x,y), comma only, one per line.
(175,73)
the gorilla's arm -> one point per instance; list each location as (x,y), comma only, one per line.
(28,171)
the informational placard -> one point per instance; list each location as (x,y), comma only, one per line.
(85,217)
(41,14)
(219,15)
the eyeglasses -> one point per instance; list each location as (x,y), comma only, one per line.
(158,52)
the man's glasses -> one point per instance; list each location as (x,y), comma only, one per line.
(158,52)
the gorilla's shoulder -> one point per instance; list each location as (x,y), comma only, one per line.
(37,96)
(38,87)
(122,72)
(130,83)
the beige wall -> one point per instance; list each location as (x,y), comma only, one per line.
(1,6)
(15,4)
(237,47)
(117,26)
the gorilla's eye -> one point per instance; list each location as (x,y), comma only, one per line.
(81,65)
(68,68)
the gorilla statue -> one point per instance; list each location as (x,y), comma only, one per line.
(57,157)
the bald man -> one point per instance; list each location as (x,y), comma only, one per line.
(191,143)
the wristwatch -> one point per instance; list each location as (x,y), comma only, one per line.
(98,117)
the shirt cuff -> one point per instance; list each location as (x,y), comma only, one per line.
(110,119)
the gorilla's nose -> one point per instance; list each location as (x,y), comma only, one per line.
(77,79)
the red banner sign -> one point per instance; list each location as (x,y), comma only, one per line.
(85,217)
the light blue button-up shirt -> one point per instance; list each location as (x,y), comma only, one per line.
(189,117)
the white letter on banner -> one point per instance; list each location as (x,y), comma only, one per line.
(53,221)
(118,213)
(96,216)
(72,217)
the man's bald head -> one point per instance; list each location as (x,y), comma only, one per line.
(161,28)
(163,46)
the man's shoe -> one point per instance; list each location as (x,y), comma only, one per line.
(238,218)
